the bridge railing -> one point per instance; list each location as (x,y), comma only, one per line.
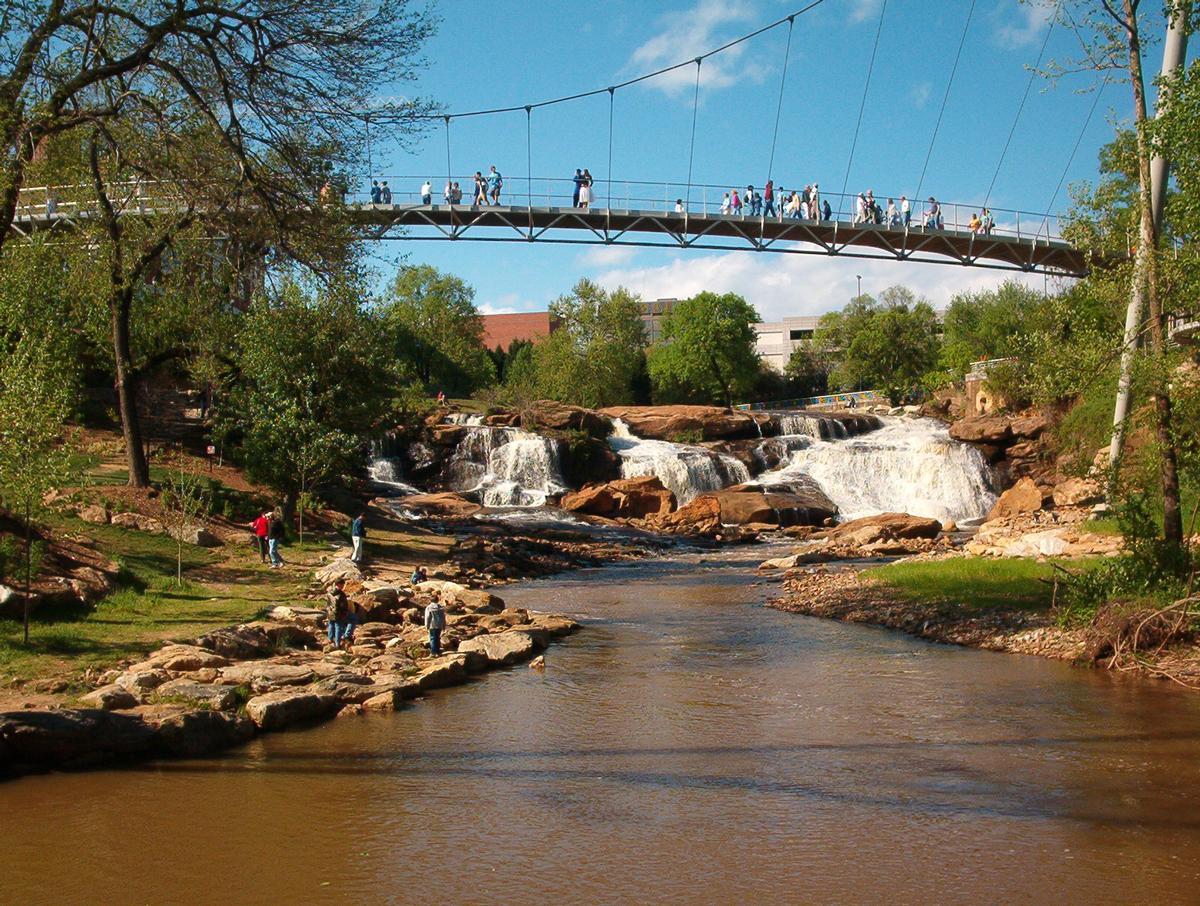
(616,195)
(707,199)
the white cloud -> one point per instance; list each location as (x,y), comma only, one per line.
(690,33)
(783,285)
(1031,20)
(864,9)
(920,94)
(607,256)
(507,304)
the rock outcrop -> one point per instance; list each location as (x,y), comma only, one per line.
(625,498)
(675,422)
(1023,497)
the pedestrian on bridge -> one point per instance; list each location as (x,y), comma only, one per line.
(905,211)
(495,183)
(578,180)
(769,199)
(735,203)
(726,205)
(375,191)
(753,201)
(892,215)
(385,193)
(426,192)
(989,222)
(448,192)
(679,206)
(827,211)
(585,190)
(814,202)
(975,225)
(480,191)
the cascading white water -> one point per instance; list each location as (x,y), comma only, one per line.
(385,469)
(808,425)
(687,471)
(506,466)
(907,466)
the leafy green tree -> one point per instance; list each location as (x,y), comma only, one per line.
(37,395)
(316,381)
(987,324)
(185,501)
(437,330)
(807,371)
(708,347)
(594,352)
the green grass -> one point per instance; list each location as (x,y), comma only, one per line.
(975,583)
(146,609)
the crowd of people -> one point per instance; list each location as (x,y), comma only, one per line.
(794,204)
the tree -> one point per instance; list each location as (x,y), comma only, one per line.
(708,346)
(36,398)
(255,71)
(316,379)
(593,354)
(185,500)
(807,371)
(438,330)
(987,324)
(1110,36)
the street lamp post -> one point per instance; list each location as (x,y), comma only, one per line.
(859,277)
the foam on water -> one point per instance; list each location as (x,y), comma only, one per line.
(686,470)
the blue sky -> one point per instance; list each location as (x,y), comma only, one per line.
(509,52)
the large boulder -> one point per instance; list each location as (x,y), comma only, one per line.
(501,648)
(41,740)
(180,659)
(276,710)
(447,505)
(238,643)
(629,498)
(191,734)
(1077,492)
(548,414)
(112,697)
(263,676)
(675,422)
(195,534)
(751,505)
(140,523)
(701,516)
(884,527)
(1023,497)
(95,514)
(217,696)
(447,670)
(989,429)
(341,568)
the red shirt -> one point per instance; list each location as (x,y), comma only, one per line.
(260,526)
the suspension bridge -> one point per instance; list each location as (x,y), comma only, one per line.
(683,214)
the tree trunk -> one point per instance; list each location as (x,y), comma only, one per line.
(288,506)
(28,566)
(127,385)
(1145,271)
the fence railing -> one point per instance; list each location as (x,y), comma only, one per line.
(850,398)
(616,195)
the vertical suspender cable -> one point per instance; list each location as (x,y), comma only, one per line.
(370,166)
(692,147)
(449,170)
(612,93)
(529,164)
(945,98)
(863,106)
(1033,73)
(1071,159)
(779,107)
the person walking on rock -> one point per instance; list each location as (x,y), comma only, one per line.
(337,613)
(435,622)
(261,526)
(358,537)
(274,536)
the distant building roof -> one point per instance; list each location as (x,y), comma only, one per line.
(503,330)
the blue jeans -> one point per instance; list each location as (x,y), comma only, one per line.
(342,631)
(273,548)
(435,642)
(769,208)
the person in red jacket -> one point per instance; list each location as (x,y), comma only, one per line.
(261,526)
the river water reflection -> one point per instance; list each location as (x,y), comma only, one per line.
(689,745)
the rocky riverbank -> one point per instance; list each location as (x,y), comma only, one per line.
(842,593)
(197,698)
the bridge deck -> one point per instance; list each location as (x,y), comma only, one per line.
(516,223)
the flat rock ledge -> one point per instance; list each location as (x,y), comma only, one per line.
(190,700)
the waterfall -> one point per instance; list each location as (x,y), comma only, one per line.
(688,471)
(809,425)
(908,466)
(384,467)
(505,466)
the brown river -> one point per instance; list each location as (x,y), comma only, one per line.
(690,745)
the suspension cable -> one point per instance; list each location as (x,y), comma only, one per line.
(649,75)
(863,106)
(1025,97)
(779,107)
(945,98)
(449,169)
(529,165)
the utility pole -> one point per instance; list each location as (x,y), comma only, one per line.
(859,276)
(1174,51)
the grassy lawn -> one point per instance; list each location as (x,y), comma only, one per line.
(974,582)
(148,607)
